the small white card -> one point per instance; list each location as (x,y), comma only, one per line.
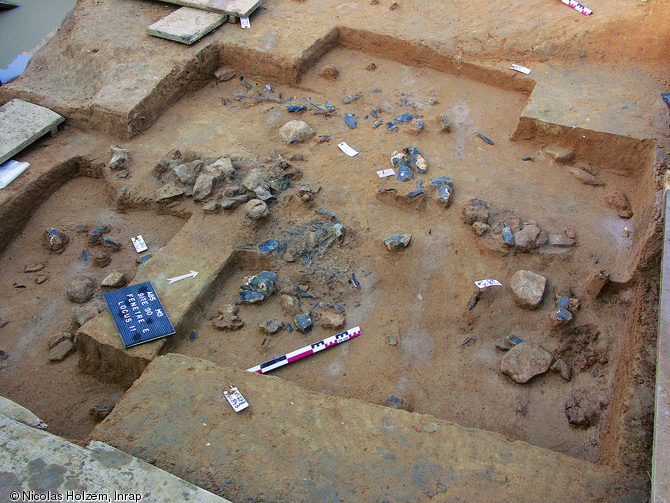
(139,244)
(235,399)
(347,149)
(485,283)
(385,172)
(520,68)
(244,23)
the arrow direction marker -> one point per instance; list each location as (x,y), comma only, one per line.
(191,274)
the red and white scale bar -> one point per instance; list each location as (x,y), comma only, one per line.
(306,351)
(578,7)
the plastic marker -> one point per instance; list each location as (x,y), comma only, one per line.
(578,7)
(306,351)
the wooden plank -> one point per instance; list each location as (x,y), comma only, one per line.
(239,8)
(22,123)
(187,25)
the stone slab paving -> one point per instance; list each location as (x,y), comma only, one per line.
(187,25)
(38,466)
(239,8)
(22,123)
(660,476)
(292,444)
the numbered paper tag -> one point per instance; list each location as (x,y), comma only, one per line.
(244,23)
(385,172)
(347,149)
(485,283)
(139,244)
(520,68)
(235,399)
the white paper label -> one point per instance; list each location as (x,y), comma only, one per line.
(244,23)
(347,149)
(139,244)
(236,400)
(386,172)
(485,283)
(520,68)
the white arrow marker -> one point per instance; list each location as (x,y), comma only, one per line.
(191,274)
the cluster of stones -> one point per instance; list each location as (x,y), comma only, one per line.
(223,182)
(505,231)
(261,287)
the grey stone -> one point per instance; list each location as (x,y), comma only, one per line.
(392,341)
(526,238)
(82,314)
(54,240)
(561,241)
(58,338)
(80,290)
(525,361)
(585,177)
(120,158)
(303,322)
(480,228)
(560,154)
(169,191)
(396,242)
(188,173)
(271,327)
(295,131)
(255,177)
(256,209)
(211,207)
(114,279)
(203,187)
(224,74)
(21,124)
(220,170)
(186,25)
(61,351)
(290,304)
(618,201)
(331,320)
(338,230)
(527,288)
(227,321)
(232,191)
(475,210)
(562,368)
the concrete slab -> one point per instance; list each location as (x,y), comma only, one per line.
(187,25)
(21,123)
(34,462)
(239,8)
(281,447)
(18,413)
(660,472)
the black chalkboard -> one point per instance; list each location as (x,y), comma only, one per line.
(138,314)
